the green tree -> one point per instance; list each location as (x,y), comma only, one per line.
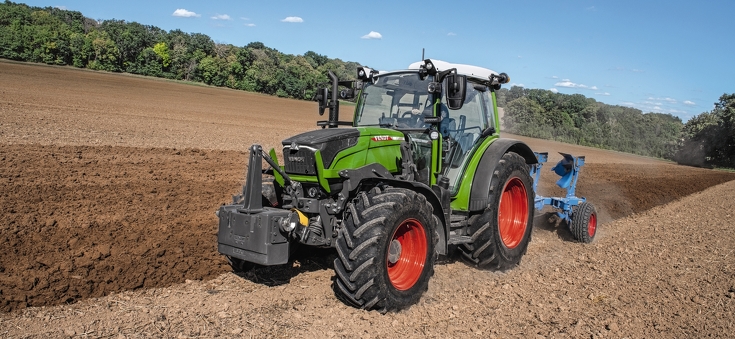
(162,50)
(57,36)
(105,52)
(708,139)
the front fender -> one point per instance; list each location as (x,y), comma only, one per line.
(443,231)
(374,174)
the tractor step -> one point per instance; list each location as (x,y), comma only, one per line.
(459,239)
(458,220)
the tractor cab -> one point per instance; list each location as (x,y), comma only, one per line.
(442,130)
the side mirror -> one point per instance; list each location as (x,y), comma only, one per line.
(322,97)
(456,90)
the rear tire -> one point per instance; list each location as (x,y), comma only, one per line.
(584,223)
(385,250)
(501,233)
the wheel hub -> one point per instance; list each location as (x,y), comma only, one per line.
(513,212)
(394,251)
(407,254)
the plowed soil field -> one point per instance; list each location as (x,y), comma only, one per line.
(109,183)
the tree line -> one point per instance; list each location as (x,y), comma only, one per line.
(62,37)
(584,121)
(705,140)
(708,139)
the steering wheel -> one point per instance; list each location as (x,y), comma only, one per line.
(406,115)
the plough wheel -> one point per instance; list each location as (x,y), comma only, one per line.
(584,222)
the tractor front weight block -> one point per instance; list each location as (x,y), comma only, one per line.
(250,231)
(253,237)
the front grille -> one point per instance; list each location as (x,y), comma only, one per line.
(301,161)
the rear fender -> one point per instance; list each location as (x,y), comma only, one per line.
(481,182)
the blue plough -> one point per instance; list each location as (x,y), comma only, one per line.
(579,215)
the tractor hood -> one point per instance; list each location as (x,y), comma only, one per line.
(321,136)
(330,141)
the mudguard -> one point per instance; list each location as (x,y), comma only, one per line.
(483,175)
(374,174)
(441,246)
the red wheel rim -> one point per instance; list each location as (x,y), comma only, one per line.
(592,225)
(513,212)
(406,270)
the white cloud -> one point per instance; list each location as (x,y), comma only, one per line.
(605,93)
(591,9)
(667,99)
(372,35)
(293,19)
(250,25)
(661,105)
(185,14)
(221,17)
(554,77)
(451,34)
(554,90)
(569,84)
(63,8)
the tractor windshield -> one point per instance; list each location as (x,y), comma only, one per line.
(395,100)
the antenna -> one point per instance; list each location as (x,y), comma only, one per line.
(422,54)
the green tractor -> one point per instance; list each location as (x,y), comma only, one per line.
(419,172)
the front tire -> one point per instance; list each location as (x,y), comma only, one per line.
(500,234)
(385,250)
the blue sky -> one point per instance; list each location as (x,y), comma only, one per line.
(658,56)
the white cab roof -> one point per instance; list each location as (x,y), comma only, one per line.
(473,71)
